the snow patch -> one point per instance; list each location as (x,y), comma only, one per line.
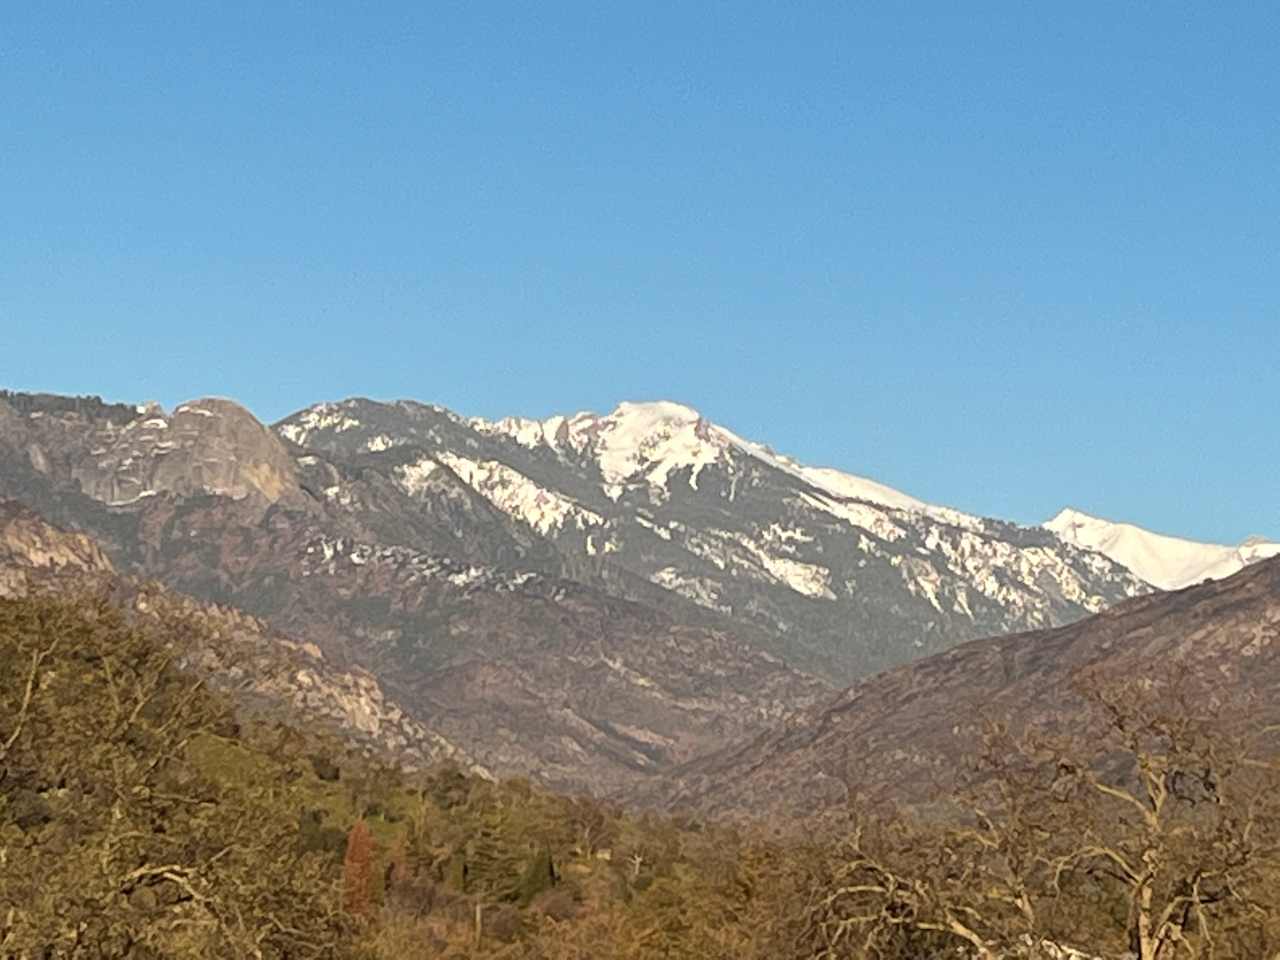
(527,433)
(412,477)
(1168,563)
(701,590)
(806,579)
(645,442)
(516,495)
(649,524)
(323,416)
(861,515)
(608,546)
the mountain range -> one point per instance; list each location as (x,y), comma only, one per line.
(836,574)
(595,601)
(902,735)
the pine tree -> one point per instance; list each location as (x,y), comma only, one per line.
(494,856)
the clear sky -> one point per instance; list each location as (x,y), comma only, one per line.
(1004,256)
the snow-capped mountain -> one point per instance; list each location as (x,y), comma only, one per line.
(426,616)
(1169,563)
(587,599)
(648,442)
(840,574)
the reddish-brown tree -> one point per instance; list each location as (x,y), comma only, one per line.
(357,871)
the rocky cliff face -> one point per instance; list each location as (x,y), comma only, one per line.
(118,455)
(208,446)
(29,546)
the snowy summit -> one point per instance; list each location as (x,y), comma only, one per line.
(1169,563)
(650,441)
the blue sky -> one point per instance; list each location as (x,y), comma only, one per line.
(1003,256)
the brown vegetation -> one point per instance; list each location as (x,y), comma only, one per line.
(1146,833)
(139,818)
(112,841)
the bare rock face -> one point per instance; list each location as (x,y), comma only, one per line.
(28,545)
(208,446)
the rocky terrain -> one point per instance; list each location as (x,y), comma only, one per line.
(588,600)
(471,630)
(264,668)
(836,574)
(906,733)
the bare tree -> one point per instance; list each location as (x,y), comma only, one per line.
(1171,811)
(1149,830)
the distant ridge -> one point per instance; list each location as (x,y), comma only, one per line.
(1169,563)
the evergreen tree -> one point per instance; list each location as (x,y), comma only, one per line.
(538,876)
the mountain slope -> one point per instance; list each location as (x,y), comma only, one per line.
(905,733)
(461,616)
(835,573)
(1169,563)
(262,667)
(589,600)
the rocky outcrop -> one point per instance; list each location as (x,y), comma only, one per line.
(272,670)
(29,546)
(119,455)
(208,446)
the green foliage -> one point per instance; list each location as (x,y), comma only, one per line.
(538,876)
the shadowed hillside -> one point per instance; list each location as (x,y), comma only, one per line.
(898,735)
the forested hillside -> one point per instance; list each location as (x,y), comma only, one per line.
(140,818)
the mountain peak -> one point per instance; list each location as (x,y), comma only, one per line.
(1070,515)
(1169,563)
(661,410)
(647,440)
(217,406)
